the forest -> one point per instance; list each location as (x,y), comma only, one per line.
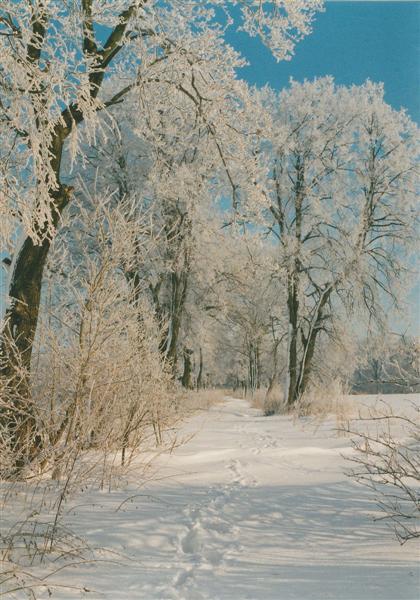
(172,236)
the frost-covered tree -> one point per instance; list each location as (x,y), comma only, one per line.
(338,197)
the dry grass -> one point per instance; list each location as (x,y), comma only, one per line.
(192,401)
(271,403)
(274,402)
(257,399)
(320,401)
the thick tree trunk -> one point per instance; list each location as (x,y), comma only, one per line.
(22,316)
(16,349)
(18,337)
(177,229)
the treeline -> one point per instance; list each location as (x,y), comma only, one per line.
(388,368)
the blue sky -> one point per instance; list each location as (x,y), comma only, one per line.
(352,41)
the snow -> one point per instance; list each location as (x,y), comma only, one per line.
(251,507)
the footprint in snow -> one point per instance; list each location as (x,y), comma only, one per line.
(191,543)
(214,557)
(182,577)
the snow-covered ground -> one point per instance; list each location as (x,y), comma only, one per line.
(249,508)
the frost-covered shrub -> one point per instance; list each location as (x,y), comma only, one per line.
(386,460)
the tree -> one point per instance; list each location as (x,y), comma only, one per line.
(338,198)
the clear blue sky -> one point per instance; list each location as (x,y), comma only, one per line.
(352,41)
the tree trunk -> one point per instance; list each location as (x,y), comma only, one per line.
(251,369)
(26,279)
(178,296)
(18,337)
(275,374)
(292,341)
(310,343)
(258,366)
(16,349)
(200,371)
(293,288)
(186,378)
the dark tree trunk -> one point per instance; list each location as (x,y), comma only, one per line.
(310,344)
(254,366)
(186,378)
(179,283)
(258,366)
(275,374)
(16,349)
(200,371)
(22,316)
(236,383)
(177,228)
(18,336)
(292,358)
(293,287)
(251,369)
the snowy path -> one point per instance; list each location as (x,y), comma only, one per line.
(252,508)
